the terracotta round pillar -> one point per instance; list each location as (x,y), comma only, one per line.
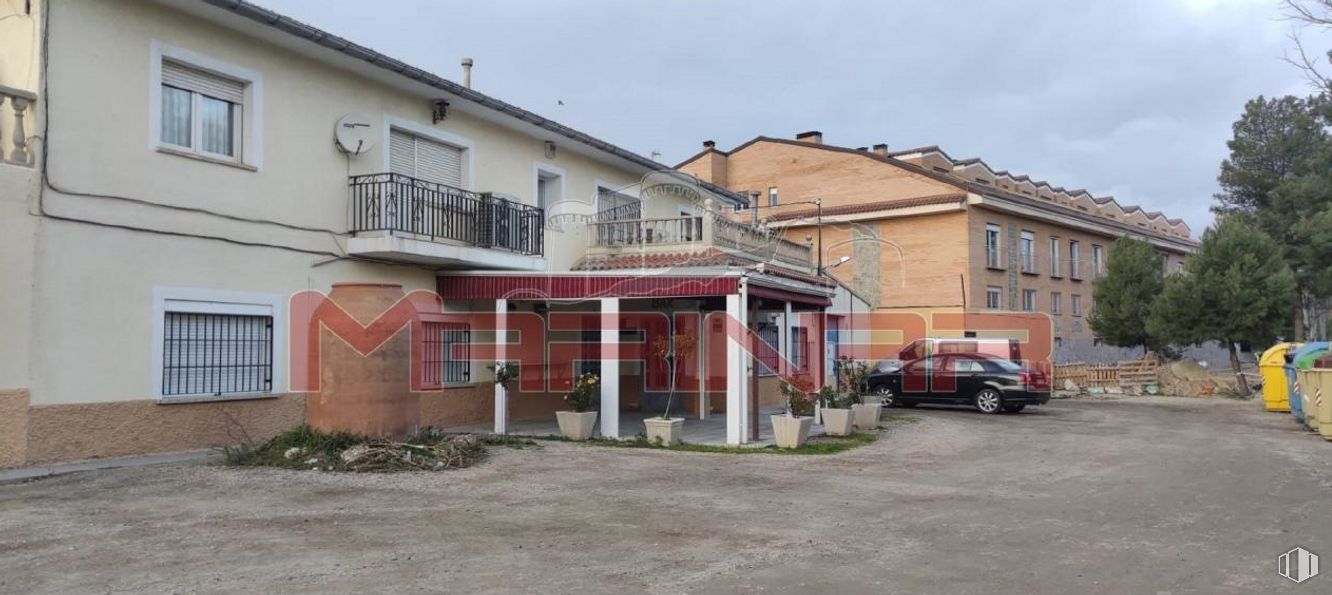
(368,395)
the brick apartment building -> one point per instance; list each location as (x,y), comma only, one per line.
(929,233)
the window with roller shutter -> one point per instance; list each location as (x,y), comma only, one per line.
(425,159)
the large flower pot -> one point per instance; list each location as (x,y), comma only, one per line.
(576,426)
(866,417)
(791,432)
(837,422)
(664,431)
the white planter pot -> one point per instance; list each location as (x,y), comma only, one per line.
(791,432)
(576,426)
(664,432)
(837,422)
(866,417)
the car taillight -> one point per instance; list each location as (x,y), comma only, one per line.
(1034,379)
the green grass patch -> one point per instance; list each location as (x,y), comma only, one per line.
(901,418)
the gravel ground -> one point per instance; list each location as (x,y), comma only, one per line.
(1133,495)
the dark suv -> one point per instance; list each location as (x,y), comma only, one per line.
(990,384)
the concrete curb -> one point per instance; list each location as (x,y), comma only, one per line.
(22,474)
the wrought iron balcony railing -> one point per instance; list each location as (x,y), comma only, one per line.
(398,203)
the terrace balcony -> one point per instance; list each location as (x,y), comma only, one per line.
(695,234)
(396,217)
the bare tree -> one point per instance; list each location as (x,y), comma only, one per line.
(1310,13)
(1316,13)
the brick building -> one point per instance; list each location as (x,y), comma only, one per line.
(929,233)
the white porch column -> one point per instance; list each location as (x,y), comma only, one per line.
(784,338)
(501,353)
(737,373)
(701,353)
(610,367)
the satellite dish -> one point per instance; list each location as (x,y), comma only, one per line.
(355,133)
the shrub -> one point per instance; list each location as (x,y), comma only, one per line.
(584,393)
(799,401)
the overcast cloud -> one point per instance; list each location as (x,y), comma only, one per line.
(1132,98)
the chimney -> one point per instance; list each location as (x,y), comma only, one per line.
(710,167)
(881,150)
(812,137)
(467,72)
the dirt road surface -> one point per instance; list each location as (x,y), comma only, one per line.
(1136,495)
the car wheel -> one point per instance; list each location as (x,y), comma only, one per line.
(1014,408)
(988,401)
(886,397)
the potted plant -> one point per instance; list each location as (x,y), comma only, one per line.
(836,412)
(865,409)
(791,429)
(579,423)
(667,430)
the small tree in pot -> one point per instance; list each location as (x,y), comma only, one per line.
(836,411)
(667,430)
(791,429)
(853,377)
(579,423)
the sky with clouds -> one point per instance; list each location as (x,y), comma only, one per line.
(1131,98)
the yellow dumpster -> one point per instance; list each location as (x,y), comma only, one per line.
(1307,398)
(1320,380)
(1276,391)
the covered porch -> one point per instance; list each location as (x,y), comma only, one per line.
(750,324)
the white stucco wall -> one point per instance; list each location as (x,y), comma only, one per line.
(91,305)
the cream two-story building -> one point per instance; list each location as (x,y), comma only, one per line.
(173,171)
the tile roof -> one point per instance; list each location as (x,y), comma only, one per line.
(882,205)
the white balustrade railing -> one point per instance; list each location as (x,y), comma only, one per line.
(709,229)
(20,103)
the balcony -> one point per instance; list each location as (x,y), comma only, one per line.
(692,234)
(14,139)
(397,217)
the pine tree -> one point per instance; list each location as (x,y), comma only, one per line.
(1124,296)
(1236,289)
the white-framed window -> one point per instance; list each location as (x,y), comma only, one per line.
(423,158)
(1076,304)
(217,345)
(1074,260)
(1028,300)
(993,252)
(1055,262)
(427,153)
(204,108)
(549,186)
(1056,303)
(617,206)
(994,298)
(1027,249)
(1098,261)
(772,196)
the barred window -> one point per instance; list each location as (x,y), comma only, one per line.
(768,358)
(216,354)
(447,357)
